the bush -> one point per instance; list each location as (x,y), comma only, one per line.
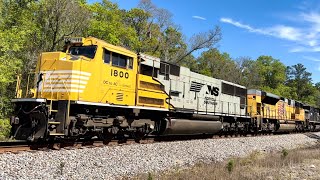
(4,129)
(230,165)
(150,176)
(284,153)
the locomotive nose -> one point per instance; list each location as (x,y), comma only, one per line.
(61,76)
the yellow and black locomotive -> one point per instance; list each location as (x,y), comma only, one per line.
(96,89)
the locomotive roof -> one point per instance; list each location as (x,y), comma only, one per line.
(234,84)
(119,48)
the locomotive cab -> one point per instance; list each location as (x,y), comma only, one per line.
(87,89)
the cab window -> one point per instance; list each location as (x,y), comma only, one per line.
(116,59)
(87,51)
(119,60)
(106,56)
(130,61)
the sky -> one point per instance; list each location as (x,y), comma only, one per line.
(288,30)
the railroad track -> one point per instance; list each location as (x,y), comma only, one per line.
(14,146)
(22,146)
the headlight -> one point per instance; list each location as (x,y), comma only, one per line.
(14,120)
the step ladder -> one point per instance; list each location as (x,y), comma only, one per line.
(49,106)
(61,114)
(55,123)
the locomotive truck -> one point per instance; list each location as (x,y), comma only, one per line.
(95,89)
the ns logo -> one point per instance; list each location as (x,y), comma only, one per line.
(196,87)
(214,91)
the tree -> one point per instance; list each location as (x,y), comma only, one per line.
(13,36)
(162,37)
(56,19)
(218,65)
(170,42)
(317,86)
(108,23)
(249,76)
(172,45)
(201,41)
(271,71)
(299,79)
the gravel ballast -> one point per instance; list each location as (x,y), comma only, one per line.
(110,162)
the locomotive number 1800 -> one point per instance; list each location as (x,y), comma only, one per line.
(121,74)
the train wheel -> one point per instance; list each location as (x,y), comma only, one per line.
(138,135)
(121,136)
(106,136)
(237,133)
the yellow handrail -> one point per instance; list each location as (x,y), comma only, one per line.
(18,94)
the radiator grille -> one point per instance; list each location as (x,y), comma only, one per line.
(147,85)
(147,100)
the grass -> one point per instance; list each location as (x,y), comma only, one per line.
(255,166)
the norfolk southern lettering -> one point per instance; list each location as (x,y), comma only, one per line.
(214,91)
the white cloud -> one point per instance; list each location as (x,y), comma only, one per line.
(286,32)
(305,49)
(313,43)
(281,31)
(199,17)
(311,58)
(306,35)
(297,49)
(243,26)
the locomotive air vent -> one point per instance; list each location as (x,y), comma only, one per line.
(119,96)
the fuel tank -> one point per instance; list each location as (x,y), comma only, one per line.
(186,126)
(286,127)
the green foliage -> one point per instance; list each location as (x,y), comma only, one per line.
(230,165)
(150,176)
(284,153)
(299,77)
(4,129)
(218,65)
(271,71)
(249,76)
(108,23)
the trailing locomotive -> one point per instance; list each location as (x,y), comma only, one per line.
(96,89)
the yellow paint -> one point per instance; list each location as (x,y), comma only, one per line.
(67,77)
(281,110)
(254,105)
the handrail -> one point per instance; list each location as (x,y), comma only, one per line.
(18,88)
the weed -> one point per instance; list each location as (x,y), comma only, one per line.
(230,165)
(284,153)
(61,167)
(150,176)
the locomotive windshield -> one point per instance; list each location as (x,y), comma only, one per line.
(87,51)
